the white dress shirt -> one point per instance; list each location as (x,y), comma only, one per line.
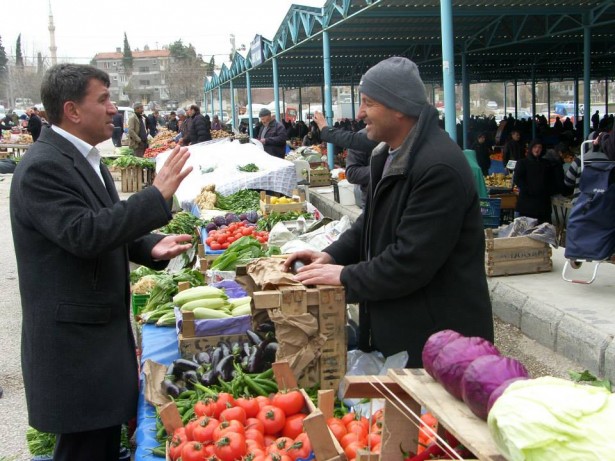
(91,154)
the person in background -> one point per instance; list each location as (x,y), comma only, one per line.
(536,179)
(172,124)
(483,153)
(513,150)
(272,134)
(137,133)
(34,124)
(151,123)
(184,126)
(73,241)
(359,151)
(118,128)
(198,127)
(308,140)
(215,123)
(414,259)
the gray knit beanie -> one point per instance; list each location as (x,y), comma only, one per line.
(396,83)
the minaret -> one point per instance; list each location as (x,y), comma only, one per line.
(52,38)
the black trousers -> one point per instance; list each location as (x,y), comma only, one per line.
(97,445)
(117,136)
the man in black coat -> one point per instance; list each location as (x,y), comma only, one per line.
(73,241)
(414,260)
(271,134)
(199,130)
(118,129)
(34,124)
(172,124)
(151,123)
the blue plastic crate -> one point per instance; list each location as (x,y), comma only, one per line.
(208,250)
(490,210)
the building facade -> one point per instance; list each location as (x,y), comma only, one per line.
(145,82)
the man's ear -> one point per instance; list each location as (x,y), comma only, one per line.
(71,112)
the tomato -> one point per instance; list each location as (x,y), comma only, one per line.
(351,416)
(269,439)
(351,449)
(228,426)
(293,425)
(193,451)
(277,457)
(215,246)
(255,423)
(301,447)
(290,402)
(250,406)
(234,413)
(376,427)
(230,239)
(225,245)
(378,415)
(357,427)
(262,400)
(373,439)
(204,429)
(225,400)
(376,448)
(349,438)
(280,445)
(337,427)
(246,231)
(205,407)
(175,450)
(189,427)
(261,239)
(209,240)
(231,446)
(255,435)
(273,418)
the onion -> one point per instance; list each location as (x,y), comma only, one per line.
(483,376)
(454,358)
(434,345)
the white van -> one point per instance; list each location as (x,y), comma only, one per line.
(127,112)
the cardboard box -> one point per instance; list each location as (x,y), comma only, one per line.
(515,255)
(267,207)
(320,356)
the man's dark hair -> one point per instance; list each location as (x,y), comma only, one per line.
(196,109)
(67,82)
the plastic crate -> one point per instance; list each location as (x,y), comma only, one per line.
(490,210)
(138,303)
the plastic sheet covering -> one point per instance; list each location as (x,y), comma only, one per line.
(160,345)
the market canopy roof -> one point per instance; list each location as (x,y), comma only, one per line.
(503,40)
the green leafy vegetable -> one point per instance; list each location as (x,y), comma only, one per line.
(587,378)
(267,222)
(239,202)
(242,251)
(249,168)
(129,161)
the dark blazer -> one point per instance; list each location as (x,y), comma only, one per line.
(151,123)
(73,240)
(34,126)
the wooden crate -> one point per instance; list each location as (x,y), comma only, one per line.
(406,391)
(320,177)
(328,305)
(515,255)
(135,179)
(267,207)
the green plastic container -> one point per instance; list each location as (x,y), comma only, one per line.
(138,302)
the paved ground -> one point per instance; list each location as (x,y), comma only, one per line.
(538,314)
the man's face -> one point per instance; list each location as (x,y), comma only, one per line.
(265,119)
(139,110)
(516,135)
(536,150)
(380,121)
(95,113)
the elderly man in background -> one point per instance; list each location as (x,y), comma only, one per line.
(414,260)
(137,133)
(271,134)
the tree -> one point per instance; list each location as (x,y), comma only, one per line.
(18,55)
(40,67)
(184,76)
(4,71)
(211,67)
(127,59)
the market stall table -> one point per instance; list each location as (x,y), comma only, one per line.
(160,345)
(216,162)
(16,149)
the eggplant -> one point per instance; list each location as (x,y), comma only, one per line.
(190,377)
(226,348)
(269,352)
(170,370)
(216,356)
(209,378)
(202,357)
(170,388)
(255,361)
(266,327)
(236,348)
(181,365)
(226,367)
(245,349)
(244,362)
(253,337)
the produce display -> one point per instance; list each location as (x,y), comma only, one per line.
(207,302)
(499,180)
(240,251)
(267,222)
(163,141)
(219,134)
(240,202)
(132,161)
(206,200)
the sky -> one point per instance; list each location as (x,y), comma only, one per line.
(86,27)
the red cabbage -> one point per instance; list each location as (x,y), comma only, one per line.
(434,345)
(483,376)
(500,390)
(454,358)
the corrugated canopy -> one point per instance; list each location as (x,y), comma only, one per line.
(503,40)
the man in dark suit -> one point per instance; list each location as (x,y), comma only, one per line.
(118,129)
(73,240)
(271,134)
(151,123)
(34,124)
